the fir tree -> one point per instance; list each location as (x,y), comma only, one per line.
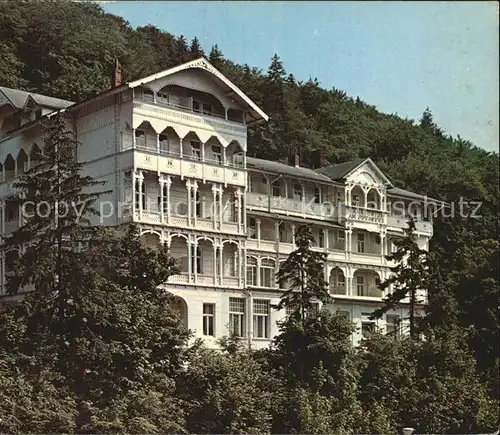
(410,274)
(57,202)
(303,275)
(215,57)
(195,49)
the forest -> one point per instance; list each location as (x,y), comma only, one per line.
(110,363)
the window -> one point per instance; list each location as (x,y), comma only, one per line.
(164,145)
(148,95)
(377,239)
(361,242)
(162,98)
(196,149)
(276,188)
(261,318)
(196,203)
(140,139)
(314,310)
(289,311)
(267,273)
(208,319)
(297,192)
(321,239)
(282,233)
(196,260)
(340,197)
(165,203)
(200,107)
(360,285)
(345,314)
(392,325)
(252,228)
(140,195)
(237,316)
(355,200)
(251,271)
(317,195)
(339,279)
(217,154)
(367,329)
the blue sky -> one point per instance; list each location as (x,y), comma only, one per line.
(398,56)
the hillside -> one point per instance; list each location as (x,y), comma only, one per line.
(67,49)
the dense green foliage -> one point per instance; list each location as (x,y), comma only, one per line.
(126,366)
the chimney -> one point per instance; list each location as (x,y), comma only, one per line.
(294,158)
(318,159)
(116,78)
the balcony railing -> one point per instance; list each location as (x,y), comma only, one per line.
(184,115)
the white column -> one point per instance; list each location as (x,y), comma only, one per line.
(189,201)
(180,147)
(224,156)
(168,182)
(293,234)
(221,263)
(202,145)
(190,260)
(133,138)
(157,142)
(195,257)
(239,207)
(215,271)
(140,180)
(257,223)
(326,239)
(194,191)
(162,183)
(348,242)
(277,231)
(221,211)
(214,207)
(365,192)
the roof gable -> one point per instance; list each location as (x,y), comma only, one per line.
(204,65)
(368,173)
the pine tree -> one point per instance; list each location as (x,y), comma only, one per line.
(273,86)
(303,274)
(195,49)
(410,274)
(427,123)
(215,55)
(57,202)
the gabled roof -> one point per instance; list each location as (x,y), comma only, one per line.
(281,168)
(342,170)
(19,99)
(204,65)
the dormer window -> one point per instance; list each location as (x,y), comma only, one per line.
(38,113)
(276,188)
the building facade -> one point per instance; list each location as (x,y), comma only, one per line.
(172,149)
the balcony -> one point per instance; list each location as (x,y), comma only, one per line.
(185,116)
(181,221)
(365,215)
(175,165)
(400,223)
(288,206)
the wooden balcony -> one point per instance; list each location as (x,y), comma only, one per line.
(175,165)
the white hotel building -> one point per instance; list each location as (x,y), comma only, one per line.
(172,148)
